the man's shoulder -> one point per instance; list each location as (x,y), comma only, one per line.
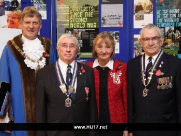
(172,59)
(85,66)
(134,59)
(46,38)
(90,63)
(47,68)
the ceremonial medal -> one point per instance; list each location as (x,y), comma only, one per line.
(145,92)
(158,81)
(166,86)
(87,92)
(170,85)
(63,88)
(170,82)
(158,87)
(162,86)
(143,73)
(71,89)
(116,77)
(62,84)
(68,102)
(163,83)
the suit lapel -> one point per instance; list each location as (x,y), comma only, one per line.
(80,80)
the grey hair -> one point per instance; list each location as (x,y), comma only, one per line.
(151,26)
(68,35)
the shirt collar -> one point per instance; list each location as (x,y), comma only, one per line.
(109,64)
(153,57)
(63,65)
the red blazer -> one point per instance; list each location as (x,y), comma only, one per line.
(117,93)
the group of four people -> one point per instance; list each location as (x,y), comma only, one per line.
(101,91)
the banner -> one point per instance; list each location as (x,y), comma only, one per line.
(80,18)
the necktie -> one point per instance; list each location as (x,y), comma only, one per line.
(149,66)
(69,79)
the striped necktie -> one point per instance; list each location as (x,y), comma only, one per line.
(149,66)
(69,79)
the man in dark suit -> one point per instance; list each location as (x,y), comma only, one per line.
(66,95)
(154,88)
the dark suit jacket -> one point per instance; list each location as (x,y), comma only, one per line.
(50,101)
(161,105)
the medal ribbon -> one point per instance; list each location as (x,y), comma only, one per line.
(170,79)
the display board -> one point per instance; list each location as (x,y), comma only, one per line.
(86,33)
(126,24)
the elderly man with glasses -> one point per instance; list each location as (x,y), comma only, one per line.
(154,89)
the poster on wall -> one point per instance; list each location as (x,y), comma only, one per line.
(169,21)
(143,13)
(85,37)
(80,18)
(9,21)
(115,35)
(114,16)
(40,5)
(137,47)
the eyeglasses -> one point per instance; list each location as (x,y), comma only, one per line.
(107,48)
(71,46)
(154,39)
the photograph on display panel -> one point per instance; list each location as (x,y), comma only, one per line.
(41,6)
(115,35)
(169,21)
(114,16)
(9,21)
(143,13)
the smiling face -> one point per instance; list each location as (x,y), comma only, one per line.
(151,41)
(13,20)
(30,26)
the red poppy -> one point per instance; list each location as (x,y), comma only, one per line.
(45,54)
(82,70)
(158,72)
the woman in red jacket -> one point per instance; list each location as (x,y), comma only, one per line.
(110,83)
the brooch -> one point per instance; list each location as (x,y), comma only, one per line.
(116,77)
